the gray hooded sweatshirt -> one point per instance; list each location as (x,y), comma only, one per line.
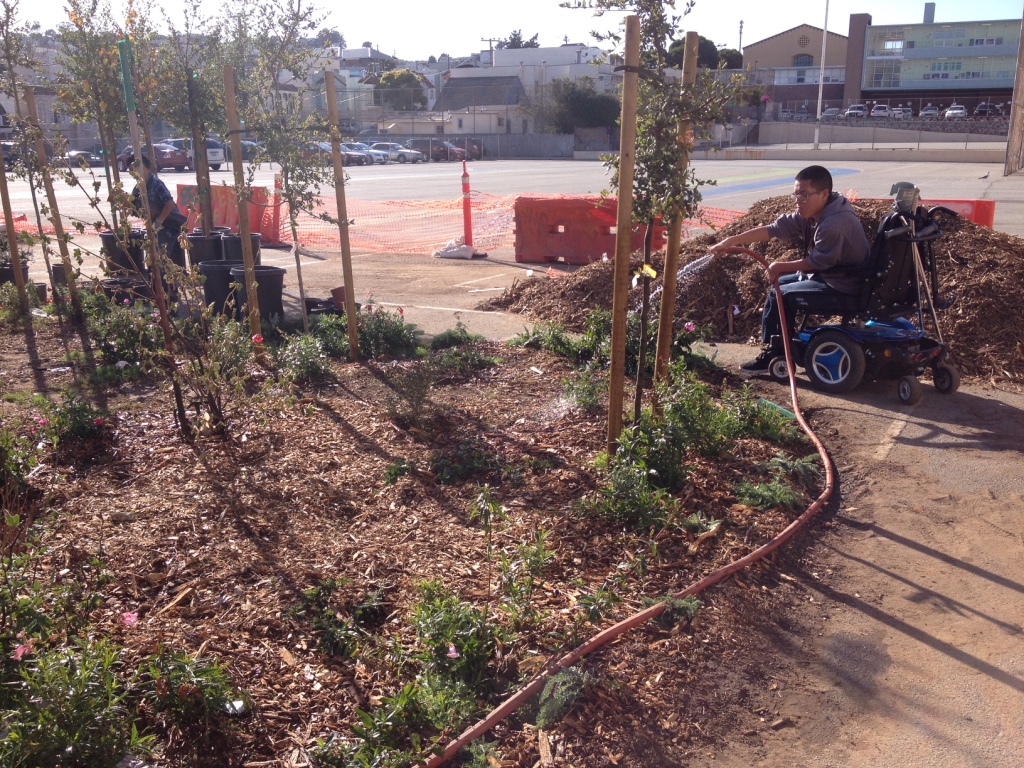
(836,240)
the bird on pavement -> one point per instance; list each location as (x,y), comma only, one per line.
(985,176)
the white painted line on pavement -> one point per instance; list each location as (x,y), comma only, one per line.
(889,440)
(483,290)
(479,280)
(439,309)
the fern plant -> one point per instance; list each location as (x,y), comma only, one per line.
(561,693)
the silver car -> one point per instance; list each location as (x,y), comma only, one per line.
(399,152)
(377,156)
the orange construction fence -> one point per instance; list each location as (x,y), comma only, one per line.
(577,229)
(981,212)
(225,210)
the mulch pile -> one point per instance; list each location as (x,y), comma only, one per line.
(979,267)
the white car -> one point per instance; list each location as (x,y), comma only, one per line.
(955,111)
(857,110)
(399,152)
(377,156)
(880,110)
(214,151)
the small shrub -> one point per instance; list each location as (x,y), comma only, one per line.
(397,469)
(537,555)
(386,334)
(629,497)
(72,420)
(332,332)
(467,459)
(676,610)
(460,362)
(411,384)
(599,604)
(768,495)
(122,332)
(756,417)
(443,701)
(185,692)
(73,711)
(584,390)
(697,523)
(303,359)
(552,337)
(805,471)
(454,337)
(561,693)
(457,642)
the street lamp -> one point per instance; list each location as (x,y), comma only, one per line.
(821,76)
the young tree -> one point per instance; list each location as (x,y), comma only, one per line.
(273,97)
(665,187)
(190,91)
(400,89)
(90,85)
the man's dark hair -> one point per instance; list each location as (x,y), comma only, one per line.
(817,175)
(149,164)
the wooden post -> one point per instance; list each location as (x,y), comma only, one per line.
(58,227)
(234,131)
(339,194)
(623,227)
(668,279)
(12,242)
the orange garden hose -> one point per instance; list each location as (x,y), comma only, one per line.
(519,698)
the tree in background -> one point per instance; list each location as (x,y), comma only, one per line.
(707,53)
(578,105)
(90,84)
(327,37)
(515,40)
(190,92)
(730,58)
(401,89)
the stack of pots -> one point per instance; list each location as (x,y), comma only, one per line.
(223,268)
(124,257)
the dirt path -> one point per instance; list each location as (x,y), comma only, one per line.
(905,644)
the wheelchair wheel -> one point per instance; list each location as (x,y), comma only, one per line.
(778,370)
(909,390)
(834,362)
(946,378)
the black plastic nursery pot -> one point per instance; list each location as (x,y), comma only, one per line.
(126,290)
(218,289)
(205,247)
(124,257)
(233,247)
(7,272)
(269,290)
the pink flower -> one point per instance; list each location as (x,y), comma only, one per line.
(401,312)
(452,653)
(129,618)
(22,649)
(257,339)
(689,327)
(97,422)
(126,301)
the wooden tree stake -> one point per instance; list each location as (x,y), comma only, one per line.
(235,132)
(623,231)
(339,194)
(668,279)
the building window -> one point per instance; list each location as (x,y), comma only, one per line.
(803,60)
(501,122)
(459,123)
(949,38)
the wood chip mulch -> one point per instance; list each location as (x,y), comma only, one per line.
(213,547)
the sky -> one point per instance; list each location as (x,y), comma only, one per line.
(415,29)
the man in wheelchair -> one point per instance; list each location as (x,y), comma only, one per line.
(832,238)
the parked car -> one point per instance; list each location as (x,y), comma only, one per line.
(215,154)
(881,110)
(929,112)
(987,109)
(377,157)
(437,149)
(399,152)
(75,158)
(167,156)
(955,111)
(785,114)
(348,157)
(250,150)
(832,113)
(474,147)
(857,110)
(802,115)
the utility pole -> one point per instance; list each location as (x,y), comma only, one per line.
(741,35)
(490,43)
